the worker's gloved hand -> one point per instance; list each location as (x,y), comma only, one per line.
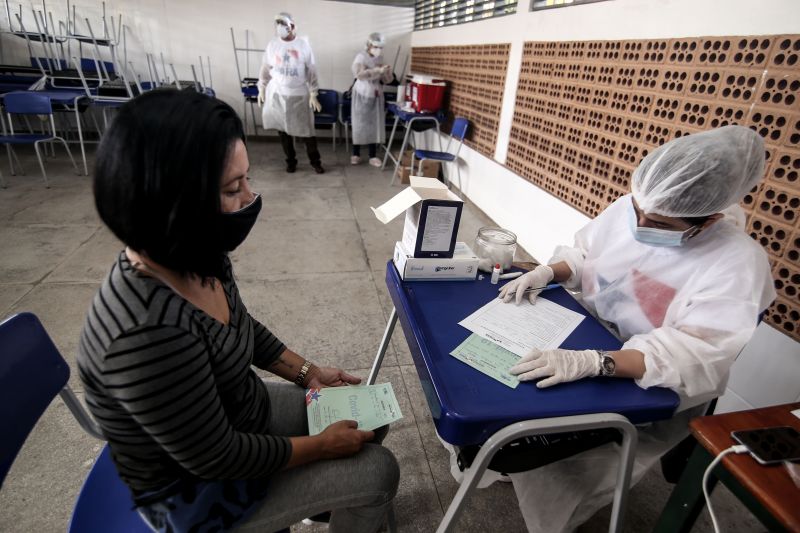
(262,95)
(313,103)
(386,68)
(558,366)
(538,277)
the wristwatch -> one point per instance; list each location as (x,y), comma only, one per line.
(608,367)
(300,380)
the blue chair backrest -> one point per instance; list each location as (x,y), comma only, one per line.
(88,65)
(459,129)
(47,64)
(329,100)
(27,103)
(32,373)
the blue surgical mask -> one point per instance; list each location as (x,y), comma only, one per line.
(657,236)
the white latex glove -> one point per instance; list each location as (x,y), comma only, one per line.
(313,103)
(262,95)
(386,68)
(558,366)
(538,277)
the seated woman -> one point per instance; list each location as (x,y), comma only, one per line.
(166,351)
(671,269)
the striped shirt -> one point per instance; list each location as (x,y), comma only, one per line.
(172,388)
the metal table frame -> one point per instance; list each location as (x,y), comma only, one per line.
(415,117)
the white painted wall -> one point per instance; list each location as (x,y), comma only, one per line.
(186,29)
(542,221)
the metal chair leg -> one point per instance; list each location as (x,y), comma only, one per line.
(20,168)
(253,114)
(69,153)
(244,115)
(10,159)
(41,163)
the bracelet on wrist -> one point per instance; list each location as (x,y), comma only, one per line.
(300,380)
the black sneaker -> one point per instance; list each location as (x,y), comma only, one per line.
(321,518)
(318,169)
(291,167)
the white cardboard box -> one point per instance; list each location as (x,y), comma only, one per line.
(462,266)
(432,217)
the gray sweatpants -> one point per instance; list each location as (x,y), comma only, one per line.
(358,489)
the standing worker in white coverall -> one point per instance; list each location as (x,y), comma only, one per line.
(368,113)
(671,269)
(288,88)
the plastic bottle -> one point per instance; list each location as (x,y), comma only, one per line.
(496,274)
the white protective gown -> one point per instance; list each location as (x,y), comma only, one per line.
(689,309)
(289,73)
(368,113)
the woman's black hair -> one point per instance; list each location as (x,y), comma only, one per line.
(157,177)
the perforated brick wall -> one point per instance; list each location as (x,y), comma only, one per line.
(476,78)
(587,113)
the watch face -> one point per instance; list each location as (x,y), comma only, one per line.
(609,365)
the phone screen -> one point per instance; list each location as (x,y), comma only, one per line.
(771,445)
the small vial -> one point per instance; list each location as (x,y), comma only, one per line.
(496,274)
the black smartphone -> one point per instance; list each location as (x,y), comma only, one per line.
(771,445)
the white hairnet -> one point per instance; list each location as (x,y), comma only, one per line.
(701,174)
(376,39)
(285,18)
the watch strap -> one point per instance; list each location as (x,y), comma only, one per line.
(301,376)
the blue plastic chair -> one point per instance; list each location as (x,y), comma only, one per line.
(457,132)
(32,374)
(329,114)
(30,103)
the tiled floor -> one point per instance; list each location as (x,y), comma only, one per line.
(313,270)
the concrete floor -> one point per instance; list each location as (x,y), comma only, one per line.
(312,270)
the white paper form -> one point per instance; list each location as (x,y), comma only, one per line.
(520,328)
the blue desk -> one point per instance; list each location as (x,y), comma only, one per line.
(407,118)
(469,407)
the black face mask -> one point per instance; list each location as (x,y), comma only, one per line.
(234,227)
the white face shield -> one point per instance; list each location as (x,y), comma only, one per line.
(284,25)
(375,44)
(284,31)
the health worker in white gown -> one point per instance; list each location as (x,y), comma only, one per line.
(368,113)
(671,269)
(288,89)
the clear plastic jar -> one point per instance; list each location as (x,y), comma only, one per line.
(495,245)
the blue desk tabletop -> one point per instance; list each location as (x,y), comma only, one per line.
(405,116)
(57,96)
(468,406)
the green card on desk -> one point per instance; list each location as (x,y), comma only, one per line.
(372,406)
(487,357)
